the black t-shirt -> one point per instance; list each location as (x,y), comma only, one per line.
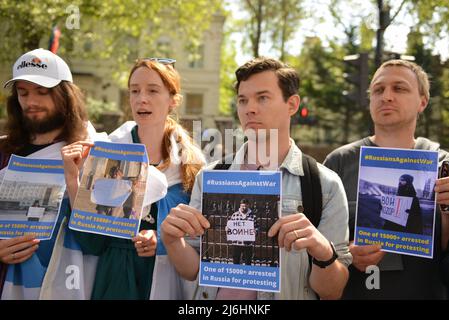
(401,277)
(30,148)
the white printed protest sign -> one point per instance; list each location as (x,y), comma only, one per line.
(35,212)
(31,194)
(394,208)
(111,192)
(240,230)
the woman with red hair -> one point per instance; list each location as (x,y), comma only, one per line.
(140,269)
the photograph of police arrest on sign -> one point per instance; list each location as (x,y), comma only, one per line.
(239,229)
(112,187)
(396,205)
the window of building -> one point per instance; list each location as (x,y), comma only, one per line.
(133,51)
(194,103)
(163,48)
(196,57)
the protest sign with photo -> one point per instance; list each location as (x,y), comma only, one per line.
(396,200)
(31,194)
(111,195)
(396,209)
(236,251)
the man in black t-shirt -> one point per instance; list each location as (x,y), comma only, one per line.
(399,92)
(45,111)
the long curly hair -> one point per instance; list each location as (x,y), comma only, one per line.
(68,99)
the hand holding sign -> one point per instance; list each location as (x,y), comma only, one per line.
(73,157)
(442,190)
(364,256)
(145,243)
(18,250)
(183,220)
(297,231)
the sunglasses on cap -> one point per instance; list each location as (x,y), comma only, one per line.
(166,61)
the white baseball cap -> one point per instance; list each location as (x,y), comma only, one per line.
(41,67)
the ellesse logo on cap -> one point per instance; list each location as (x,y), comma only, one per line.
(35,63)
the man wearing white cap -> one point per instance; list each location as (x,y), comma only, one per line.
(45,111)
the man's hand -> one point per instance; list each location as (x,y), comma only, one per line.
(442,190)
(18,250)
(183,220)
(442,198)
(145,243)
(364,256)
(298,232)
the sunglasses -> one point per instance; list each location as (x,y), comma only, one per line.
(166,61)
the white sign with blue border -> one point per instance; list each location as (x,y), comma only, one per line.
(396,200)
(236,251)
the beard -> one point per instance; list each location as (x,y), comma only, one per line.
(54,120)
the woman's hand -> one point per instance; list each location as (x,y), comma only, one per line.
(18,250)
(73,156)
(145,243)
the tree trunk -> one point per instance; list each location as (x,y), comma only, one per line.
(284,29)
(380,34)
(259,28)
(346,125)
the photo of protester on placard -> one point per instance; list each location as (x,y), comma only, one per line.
(396,201)
(236,251)
(241,231)
(239,228)
(31,194)
(110,197)
(396,207)
(111,192)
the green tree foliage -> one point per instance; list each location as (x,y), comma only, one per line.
(255,24)
(322,67)
(429,124)
(433,16)
(322,82)
(444,109)
(367,36)
(228,65)
(284,23)
(272,22)
(107,29)
(373,23)
(24,23)
(98,107)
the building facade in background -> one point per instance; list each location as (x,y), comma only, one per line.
(199,70)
